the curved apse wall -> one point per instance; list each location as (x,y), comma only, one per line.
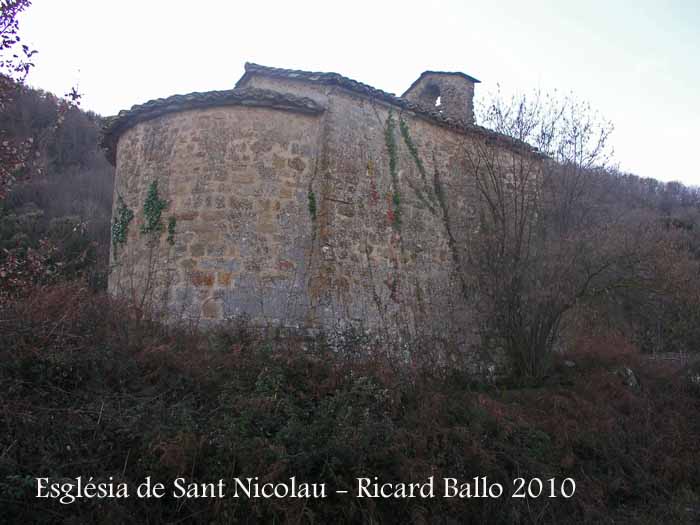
(302,199)
(236,181)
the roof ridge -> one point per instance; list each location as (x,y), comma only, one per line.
(352,85)
(430,72)
(327,76)
(250,96)
(429,114)
(114,126)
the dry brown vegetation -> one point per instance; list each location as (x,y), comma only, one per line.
(581,273)
(90,389)
(93,386)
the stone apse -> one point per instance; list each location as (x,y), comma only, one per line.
(300,199)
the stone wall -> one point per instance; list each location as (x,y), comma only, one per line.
(359,213)
(455,92)
(366,266)
(236,180)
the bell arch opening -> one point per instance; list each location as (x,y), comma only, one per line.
(431,96)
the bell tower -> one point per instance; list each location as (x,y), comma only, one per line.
(452,94)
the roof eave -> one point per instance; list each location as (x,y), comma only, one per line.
(455,73)
(252,97)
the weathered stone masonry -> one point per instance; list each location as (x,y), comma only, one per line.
(302,199)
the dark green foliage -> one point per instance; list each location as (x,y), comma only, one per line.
(37,249)
(396,200)
(120,227)
(172,223)
(390,141)
(61,205)
(312,204)
(425,194)
(412,148)
(415,155)
(153,208)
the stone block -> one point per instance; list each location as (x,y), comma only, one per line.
(211,310)
(203,279)
(224,278)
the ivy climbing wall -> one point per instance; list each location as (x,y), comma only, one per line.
(233,233)
(339,209)
(394,210)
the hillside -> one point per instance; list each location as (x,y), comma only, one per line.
(60,207)
(92,386)
(90,391)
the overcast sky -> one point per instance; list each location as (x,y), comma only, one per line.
(637,62)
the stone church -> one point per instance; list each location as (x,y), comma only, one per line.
(299,199)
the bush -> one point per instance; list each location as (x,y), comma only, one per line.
(88,389)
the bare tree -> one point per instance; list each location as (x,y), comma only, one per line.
(15,62)
(546,241)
